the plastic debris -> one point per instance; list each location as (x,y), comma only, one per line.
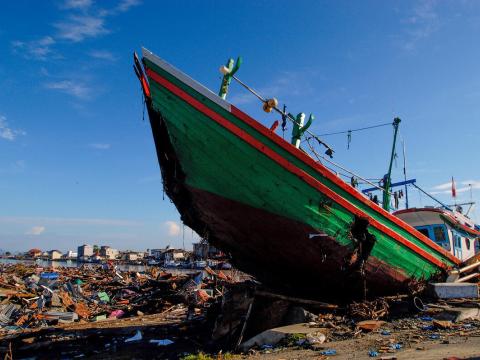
(116,314)
(315,339)
(373,353)
(100,317)
(161,342)
(329,352)
(136,337)
(103,296)
(49,275)
(428,327)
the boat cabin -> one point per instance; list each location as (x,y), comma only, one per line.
(451,230)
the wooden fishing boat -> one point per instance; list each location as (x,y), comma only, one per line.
(281,215)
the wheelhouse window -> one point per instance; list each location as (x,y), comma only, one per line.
(424,231)
(458,241)
(439,233)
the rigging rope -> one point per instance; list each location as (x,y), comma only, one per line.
(346,170)
(272,106)
(354,130)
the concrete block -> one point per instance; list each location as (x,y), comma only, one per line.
(274,336)
(458,314)
(454,290)
(297,315)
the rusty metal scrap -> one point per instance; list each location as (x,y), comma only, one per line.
(369,310)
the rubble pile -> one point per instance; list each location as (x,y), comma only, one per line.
(33,297)
(379,326)
(100,311)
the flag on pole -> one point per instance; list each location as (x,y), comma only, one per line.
(454,190)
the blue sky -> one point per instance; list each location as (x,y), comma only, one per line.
(77,161)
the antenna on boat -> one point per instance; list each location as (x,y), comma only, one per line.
(405,173)
(387,178)
(229,71)
(472,203)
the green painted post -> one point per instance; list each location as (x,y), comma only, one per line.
(299,128)
(388,180)
(228,71)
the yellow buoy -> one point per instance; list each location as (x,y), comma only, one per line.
(269,104)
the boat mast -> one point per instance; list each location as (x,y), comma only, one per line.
(387,179)
(405,174)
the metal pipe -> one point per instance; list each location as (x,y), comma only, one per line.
(466,268)
(468,277)
(388,179)
(405,174)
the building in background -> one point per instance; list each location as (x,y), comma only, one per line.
(108,253)
(70,254)
(130,256)
(157,253)
(54,254)
(203,250)
(84,252)
(34,253)
(174,255)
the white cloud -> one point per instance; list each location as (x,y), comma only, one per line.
(102,55)
(125,5)
(7,132)
(421,24)
(67,221)
(122,6)
(77,4)
(100,146)
(81,22)
(446,188)
(36,230)
(173,229)
(79,27)
(474,183)
(40,49)
(76,89)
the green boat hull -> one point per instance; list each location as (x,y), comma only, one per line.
(281,216)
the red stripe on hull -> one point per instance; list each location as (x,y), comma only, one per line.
(292,168)
(322,262)
(332,177)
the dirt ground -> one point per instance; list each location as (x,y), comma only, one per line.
(457,346)
(107,341)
